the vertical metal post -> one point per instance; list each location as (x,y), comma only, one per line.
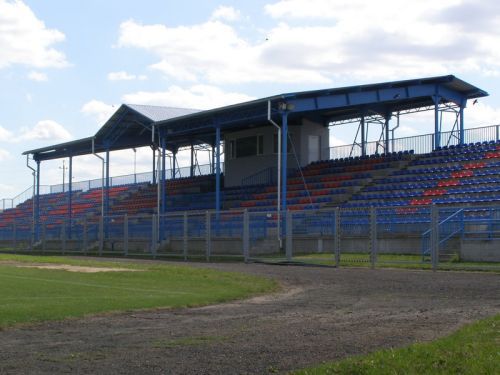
(163,175)
(461,128)
(217,171)
(153,177)
(185,237)
(70,195)
(373,236)
(363,136)
(125,235)
(289,236)
(37,202)
(284,166)
(246,236)
(101,235)
(434,237)
(336,238)
(208,236)
(106,200)
(191,169)
(437,128)
(387,143)
(135,165)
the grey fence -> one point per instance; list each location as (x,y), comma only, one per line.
(425,236)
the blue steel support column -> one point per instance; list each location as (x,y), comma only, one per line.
(461,130)
(163,189)
(106,192)
(363,136)
(437,128)
(106,196)
(386,146)
(154,167)
(70,195)
(217,170)
(191,170)
(284,157)
(36,224)
(174,162)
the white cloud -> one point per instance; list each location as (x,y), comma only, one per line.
(38,76)
(226,13)
(4,155)
(5,134)
(197,96)
(24,39)
(214,52)
(98,110)
(323,41)
(481,115)
(335,141)
(124,76)
(402,37)
(7,191)
(45,130)
(410,131)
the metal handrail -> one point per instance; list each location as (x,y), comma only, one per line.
(428,231)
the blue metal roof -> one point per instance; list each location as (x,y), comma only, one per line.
(131,125)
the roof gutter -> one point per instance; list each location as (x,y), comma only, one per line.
(34,184)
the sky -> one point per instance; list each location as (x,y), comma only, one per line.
(66,66)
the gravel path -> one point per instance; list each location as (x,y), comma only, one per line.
(321,314)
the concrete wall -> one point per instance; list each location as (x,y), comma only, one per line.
(480,251)
(235,170)
(389,245)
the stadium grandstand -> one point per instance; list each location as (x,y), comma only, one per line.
(279,179)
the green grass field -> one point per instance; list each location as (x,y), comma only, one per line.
(474,349)
(32,295)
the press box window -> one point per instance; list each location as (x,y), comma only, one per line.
(247,146)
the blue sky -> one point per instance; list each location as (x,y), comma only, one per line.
(65,66)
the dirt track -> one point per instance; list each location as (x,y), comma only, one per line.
(322,314)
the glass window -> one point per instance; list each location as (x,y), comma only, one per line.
(246,146)
(260,144)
